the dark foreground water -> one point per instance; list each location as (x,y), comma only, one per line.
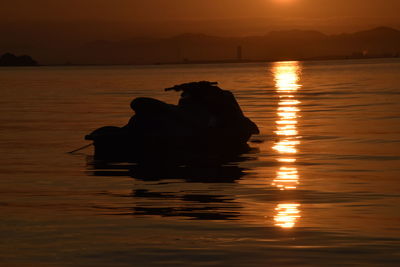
(319,188)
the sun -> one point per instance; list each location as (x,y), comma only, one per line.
(284,1)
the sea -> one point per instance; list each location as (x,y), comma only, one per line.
(319,187)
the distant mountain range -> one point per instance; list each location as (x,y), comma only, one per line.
(197,48)
(276,45)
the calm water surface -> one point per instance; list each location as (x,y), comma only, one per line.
(319,187)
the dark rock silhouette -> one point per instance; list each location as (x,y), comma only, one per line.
(207,122)
(9,59)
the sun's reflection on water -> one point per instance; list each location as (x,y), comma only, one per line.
(286,178)
(287,215)
(287,83)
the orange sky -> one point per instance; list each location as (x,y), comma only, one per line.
(131,10)
(34,22)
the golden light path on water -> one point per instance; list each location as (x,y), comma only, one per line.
(287,83)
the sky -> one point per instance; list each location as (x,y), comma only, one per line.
(134,10)
(39,22)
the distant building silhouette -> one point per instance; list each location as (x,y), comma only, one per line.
(239,52)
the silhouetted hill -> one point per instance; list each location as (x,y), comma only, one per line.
(9,59)
(276,45)
(378,33)
(297,34)
(197,47)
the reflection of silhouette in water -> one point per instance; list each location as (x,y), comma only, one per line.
(167,204)
(203,172)
(206,122)
(195,206)
(174,201)
(151,202)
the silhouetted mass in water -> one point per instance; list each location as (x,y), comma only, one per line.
(9,59)
(207,121)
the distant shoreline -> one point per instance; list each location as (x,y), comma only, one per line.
(277,60)
(205,62)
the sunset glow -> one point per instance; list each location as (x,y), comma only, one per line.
(200,132)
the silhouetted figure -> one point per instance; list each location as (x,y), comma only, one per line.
(9,59)
(207,121)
